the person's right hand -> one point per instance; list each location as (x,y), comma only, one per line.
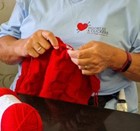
(38,43)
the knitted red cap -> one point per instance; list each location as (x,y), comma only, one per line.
(15,115)
(57,77)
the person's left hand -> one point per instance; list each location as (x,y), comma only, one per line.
(93,57)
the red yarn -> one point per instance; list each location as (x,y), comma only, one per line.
(21,117)
(18,116)
(4,91)
(53,75)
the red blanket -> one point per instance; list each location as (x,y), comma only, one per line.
(53,75)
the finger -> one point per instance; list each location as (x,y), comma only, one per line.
(75,61)
(36,46)
(86,67)
(73,53)
(87,72)
(80,54)
(32,52)
(81,62)
(51,38)
(90,71)
(44,43)
(40,50)
(96,69)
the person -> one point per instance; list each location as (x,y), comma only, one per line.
(105,36)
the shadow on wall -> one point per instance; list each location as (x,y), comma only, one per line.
(7,72)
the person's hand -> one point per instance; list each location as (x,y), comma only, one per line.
(93,57)
(38,43)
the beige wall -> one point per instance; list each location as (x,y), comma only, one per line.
(7,72)
(6,6)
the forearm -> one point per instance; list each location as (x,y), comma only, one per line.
(133,72)
(9,48)
(13,50)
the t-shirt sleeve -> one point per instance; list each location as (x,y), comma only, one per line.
(136,45)
(12,26)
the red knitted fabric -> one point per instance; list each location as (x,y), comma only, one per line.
(53,75)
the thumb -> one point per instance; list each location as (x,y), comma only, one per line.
(51,38)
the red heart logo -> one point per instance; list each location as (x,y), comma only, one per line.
(82,26)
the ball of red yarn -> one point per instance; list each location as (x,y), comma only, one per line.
(19,116)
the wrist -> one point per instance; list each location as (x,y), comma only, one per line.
(126,64)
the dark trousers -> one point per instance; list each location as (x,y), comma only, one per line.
(102,100)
